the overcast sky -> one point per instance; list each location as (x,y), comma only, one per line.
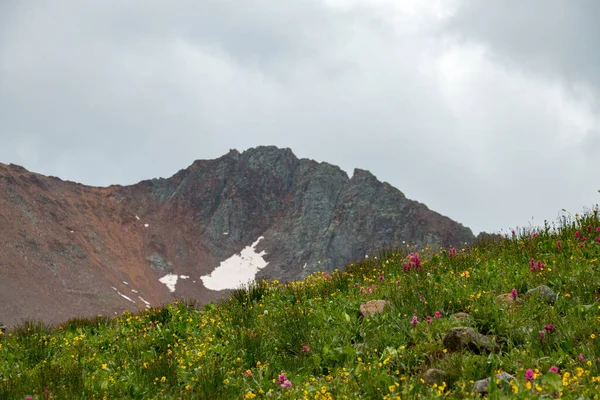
(487,113)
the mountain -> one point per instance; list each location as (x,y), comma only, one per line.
(70,250)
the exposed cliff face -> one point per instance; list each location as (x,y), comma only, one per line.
(68,250)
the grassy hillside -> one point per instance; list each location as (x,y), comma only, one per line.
(308,339)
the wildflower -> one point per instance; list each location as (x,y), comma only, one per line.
(513,293)
(581,357)
(305,349)
(577,234)
(28,398)
(286,384)
(282,378)
(414,321)
(428,319)
(541,336)
(398,282)
(558,244)
(554,369)
(248,373)
(549,328)
(452,252)
(47,394)
(529,375)
(380,277)
(589,227)
(597,240)
(437,314)
(598,229)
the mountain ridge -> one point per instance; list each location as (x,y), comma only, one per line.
(104,249)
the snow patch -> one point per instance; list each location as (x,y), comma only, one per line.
(184,277)
(144,301)
(136,217)
(134,291)
(146,225)
(238,270)
(122,295)
(305,265)
(225,233)
(125,283)
(170,280)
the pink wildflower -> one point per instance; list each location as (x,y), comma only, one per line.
(428,319)
(452,252)
(282,378)
(305,349)
(286,384)
(558,244)
(437,314)
(248,373)
(398,282)
(589,227)
(541,335)
(549,328)
(414,321)
(513,293)
(597,240)
(598,229)
(577,234)
(380,277)
(554,369)
(529,375)
(581,357)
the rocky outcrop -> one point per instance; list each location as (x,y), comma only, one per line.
(465,338)
(69,250)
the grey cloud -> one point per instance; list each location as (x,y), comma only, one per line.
(115,92)
(559,38)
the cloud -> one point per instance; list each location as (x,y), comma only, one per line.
(417,92)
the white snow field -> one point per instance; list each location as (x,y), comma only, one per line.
(238,270)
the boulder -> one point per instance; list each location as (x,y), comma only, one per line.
(544,293)
(506,298)
(373,307)
(434,375)
(464,338)
(461,316)
(482,386)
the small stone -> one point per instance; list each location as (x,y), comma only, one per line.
(482,386)
(506,298)
(373,307)
(434,375)
(461,316)
(544,292)
(464,338)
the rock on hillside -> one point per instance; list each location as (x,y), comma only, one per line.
(68,250)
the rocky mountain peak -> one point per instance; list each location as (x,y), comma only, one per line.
(261,213)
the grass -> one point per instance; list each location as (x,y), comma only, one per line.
(312,332)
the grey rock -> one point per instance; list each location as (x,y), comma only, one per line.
(310,214)
(464,338)
(461,316)
(482,386)
(373,307)
(544,293)
(159,264)
(434,375)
